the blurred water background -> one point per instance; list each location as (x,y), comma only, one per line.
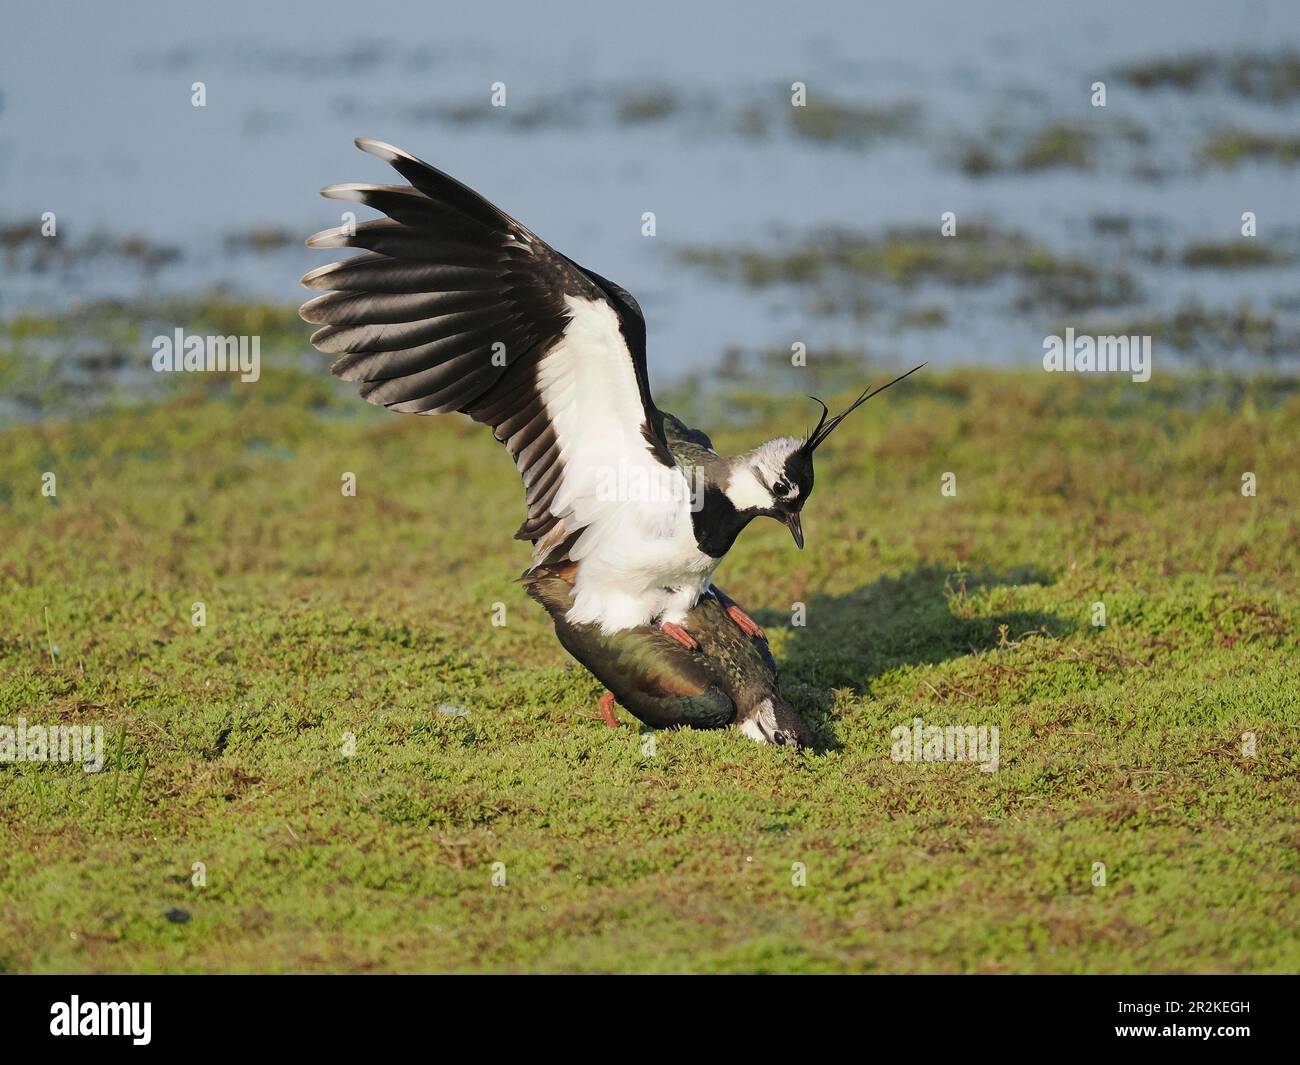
(774,224)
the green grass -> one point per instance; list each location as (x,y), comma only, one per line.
(328,615)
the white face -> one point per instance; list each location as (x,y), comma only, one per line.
(759,482)
(761,726)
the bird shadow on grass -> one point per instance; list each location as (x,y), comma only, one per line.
(925,616)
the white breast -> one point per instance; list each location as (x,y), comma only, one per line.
(636,555)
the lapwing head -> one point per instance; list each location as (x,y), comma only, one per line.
(774,480)
(772,721)
(778,476)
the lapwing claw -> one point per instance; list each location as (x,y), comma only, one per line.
(744,622)
(679,634)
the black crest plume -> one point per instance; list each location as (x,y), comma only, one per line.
(824,428)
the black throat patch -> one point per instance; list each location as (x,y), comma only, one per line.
(717,523)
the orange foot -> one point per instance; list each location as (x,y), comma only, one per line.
(679,634)
(745,622)
(607,708)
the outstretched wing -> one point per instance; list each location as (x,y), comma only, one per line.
(455,306)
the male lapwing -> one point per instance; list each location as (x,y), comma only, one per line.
(730,679)
(455,306)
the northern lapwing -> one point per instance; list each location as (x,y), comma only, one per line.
(455,306)
(730,679)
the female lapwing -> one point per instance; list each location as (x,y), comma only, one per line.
(729,680)
(455,306)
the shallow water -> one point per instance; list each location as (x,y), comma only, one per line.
(96,125)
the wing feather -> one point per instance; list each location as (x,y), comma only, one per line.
(455,306)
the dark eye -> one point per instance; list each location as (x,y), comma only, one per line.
(780,489)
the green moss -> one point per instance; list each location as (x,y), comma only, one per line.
(262,239)
(1230,147)
(27,248)
(69,363)
(1208,334)
(468,112)
(329,615)
(1058,145)
(830,264)
(1231,255)
(1182,72)
(976,160)
(930,317)
(856,125)
(1270,77)
(649,106)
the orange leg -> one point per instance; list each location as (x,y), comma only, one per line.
(607,708)
(745,622)
(679,634)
